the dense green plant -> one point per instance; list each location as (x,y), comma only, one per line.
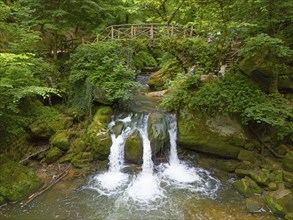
(19,83)
(101,69)
(232,94)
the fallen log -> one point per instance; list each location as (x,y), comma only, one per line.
(34,154)
(53,181)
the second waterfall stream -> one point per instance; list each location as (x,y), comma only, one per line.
(149,183)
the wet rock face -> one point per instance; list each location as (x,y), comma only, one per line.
(16,181)
(247,187)
(134,148)
(60,140)
(221,135)
(157,131)
(98,133)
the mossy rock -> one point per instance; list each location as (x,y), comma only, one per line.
(247,187)
(2,200)
(98,133)
(276,176)
(82,160)
(157,132)
(246,155)
(228,165)
(221,135)
(156,81)
(60,140)
(134,148)
(78,145)
(254,204)
(288,162)
(45,129)
(53,155)
(280,201)
(17,181)
(288,178)
(117,128)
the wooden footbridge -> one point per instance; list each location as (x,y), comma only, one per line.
(147,30)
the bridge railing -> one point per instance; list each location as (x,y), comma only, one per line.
(150,30)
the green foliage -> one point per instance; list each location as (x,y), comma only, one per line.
(143,59)
(18,83)
(232,94)
(102,68)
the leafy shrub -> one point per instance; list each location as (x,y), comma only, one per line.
(102,68)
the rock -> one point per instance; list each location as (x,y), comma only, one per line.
(98,133)
(252,145)
(228,165)
(288,178)
(78,145)
(82,160)
(247,187)
(45,129)
(60,140)
(288,162)
(100,96)
(2,200)
(242,172)
(260,176)
(282,149)
(157,94)
(16,181)
(276,176)
(220,135)
(280,201)
(272,186)
(53,155)
(156,81)
(117,128)
(254,204)
(157,131)
(289,216)
(246,155)
(134,148)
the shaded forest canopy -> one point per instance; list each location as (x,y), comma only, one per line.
(41,76)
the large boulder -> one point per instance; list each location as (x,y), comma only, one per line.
(46,128)
(98,133)
(156,81)
(60,140)
(157,131)
(53,155)
(280,201)
(16,181)
(134,148)
(220,135)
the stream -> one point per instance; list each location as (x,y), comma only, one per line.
(178,188)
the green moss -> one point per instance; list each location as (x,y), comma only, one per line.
(17,181)
(280,201)
(216,136)
(98,133)
(246,155)
(247,186)
(78,145)
(288,162)
(60,140)
(133,148)
(82,160)
(53,155)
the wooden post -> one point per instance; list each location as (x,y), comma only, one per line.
(112,32)
(131,32)
(152,32)
(191,30)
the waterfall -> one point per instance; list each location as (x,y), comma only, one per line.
(173,160)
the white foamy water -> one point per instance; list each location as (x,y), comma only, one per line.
(146,186)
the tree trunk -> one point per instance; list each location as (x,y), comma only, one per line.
(55,42)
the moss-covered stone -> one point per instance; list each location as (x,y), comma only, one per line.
(221,135)
(53,155)
(288,162)
(280,201)
(272,186)
(260,176)
(157,131)
(228,165)
(117,128)
(46,128)
(254,204)
(98,133)
(60,140)
(134,148)
(289,216)
(276,176)
(17,181)
(246,155)
(156,81)
(247,187)
(78,145)
(288,178)
(82,160)
(2,200)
